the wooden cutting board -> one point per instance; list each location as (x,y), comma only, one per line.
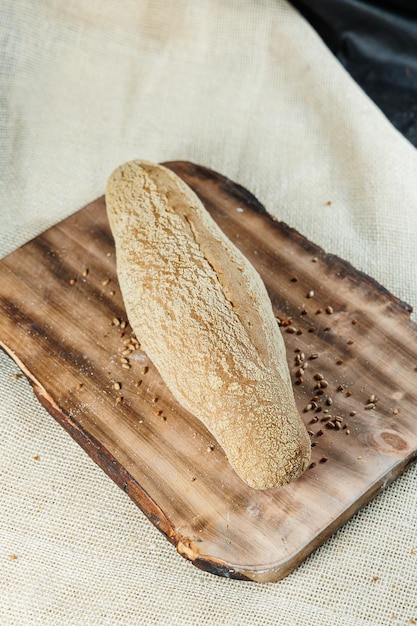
(352,352)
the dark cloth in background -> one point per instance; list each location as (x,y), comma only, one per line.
(376,42)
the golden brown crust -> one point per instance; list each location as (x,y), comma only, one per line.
(204,318)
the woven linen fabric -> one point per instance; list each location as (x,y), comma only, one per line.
(247,88)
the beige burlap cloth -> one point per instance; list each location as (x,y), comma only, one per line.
(247,88)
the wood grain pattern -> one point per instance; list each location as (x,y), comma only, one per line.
(57,321)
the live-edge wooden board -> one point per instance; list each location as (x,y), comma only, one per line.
(62,320)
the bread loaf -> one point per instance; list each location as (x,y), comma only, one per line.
(204,318)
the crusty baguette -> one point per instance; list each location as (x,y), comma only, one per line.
(203,316)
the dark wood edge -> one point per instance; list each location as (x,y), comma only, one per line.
(123,479)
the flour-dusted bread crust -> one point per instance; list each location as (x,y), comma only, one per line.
(204,318)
